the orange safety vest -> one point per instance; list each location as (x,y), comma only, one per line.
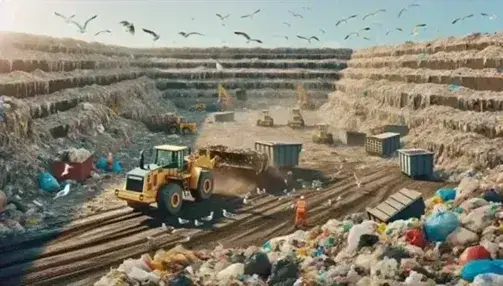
(301,206)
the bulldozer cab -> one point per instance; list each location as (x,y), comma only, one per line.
(185,125)
(295,111)
(266,113)
(171,157)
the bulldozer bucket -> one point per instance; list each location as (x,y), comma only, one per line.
(237,158)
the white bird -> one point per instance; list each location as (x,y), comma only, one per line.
(154,34)
(296,15)
(308,39)
(339,198)
(66,170)
(218,66)
(248,38)
(373,13)
(293,190)
(186,35)
(17,197)
(322,31)
(37,203)
(209,217)
(329,202)
(405,9)
(197,223)
(260,192)
(287,24)
(165,227)
(223,17)
(251,15)
(103,31)
(345,20)
(187,239)
(286,181)
(82,29)
(183,221)
(63,192)
(245,200)
(67,19)
(227,214)
(358,183)
(491,16)
(292,206)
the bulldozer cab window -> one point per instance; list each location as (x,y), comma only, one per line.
(170,159)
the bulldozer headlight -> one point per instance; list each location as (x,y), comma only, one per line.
(141,197)
(116,192)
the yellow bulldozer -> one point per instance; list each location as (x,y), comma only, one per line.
(198,107)
(322,136)
(178,175)
(296,119)
(266,120)
(181,125)
(303,98)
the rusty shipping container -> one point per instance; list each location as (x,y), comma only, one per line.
(403,204)
(280,154)
(416,163)
(384,145)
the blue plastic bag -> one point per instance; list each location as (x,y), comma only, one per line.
(493,196)
(47,182)
(439,225)
(446,194)
(102,163)
(483,266)
(116,167)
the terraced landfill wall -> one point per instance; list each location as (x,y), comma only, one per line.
(448,91)
(54,86)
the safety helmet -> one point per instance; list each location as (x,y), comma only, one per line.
(301,197)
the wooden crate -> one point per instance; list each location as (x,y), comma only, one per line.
(416,163)
(226,116)
(384,145)
(404,204)
(353,138)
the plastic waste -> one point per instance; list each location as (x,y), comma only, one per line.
(101,163)
(478,267)
(258,264)
(439,225)
(446,194)
(474,253)
(47,182)
(493,196)
(180,280)
(416,237)
(488,280)
(454,87)
(116,167)
(366,227)
(367,240)
(414,278)
(284,270)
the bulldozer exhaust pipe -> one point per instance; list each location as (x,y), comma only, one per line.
(142,160)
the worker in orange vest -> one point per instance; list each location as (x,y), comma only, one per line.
(300,212)
(110,161)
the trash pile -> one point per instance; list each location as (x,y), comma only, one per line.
(458,241)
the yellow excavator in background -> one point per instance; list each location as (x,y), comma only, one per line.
(296,119)
(266,120)
(225,99)
(303,98)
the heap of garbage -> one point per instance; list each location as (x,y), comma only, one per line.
(458,241)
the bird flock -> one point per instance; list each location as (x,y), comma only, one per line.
(223,18)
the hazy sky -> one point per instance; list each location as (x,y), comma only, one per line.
(170,17)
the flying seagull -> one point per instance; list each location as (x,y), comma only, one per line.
(307,8)
(186,35)
(278,36)
(345,20)
(287,24)
(82,29)
(462,18)
(373,13)
(397,29)
(416,27)
(129,26)
(103,31)
(365,38)
(308,39)
(356,33)
(322,31)
(296,15)
(67,19)
(247,37)
(251,15)
(223,17)
(156,36)
(491,16)
(405,9)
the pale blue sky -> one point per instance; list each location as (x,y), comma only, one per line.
(170,17)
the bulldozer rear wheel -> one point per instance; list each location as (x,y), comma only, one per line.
(173,129)
(169,198)
(186,131)
(205,186)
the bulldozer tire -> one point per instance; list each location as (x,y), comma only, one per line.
(205,186)
(186,131)
(138,207)
(173,129)
(170,199)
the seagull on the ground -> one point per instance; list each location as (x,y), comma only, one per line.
(197,223)
(66,171)
(183,221)
(67,19)
(345,20)
(260,192)
(329,202)
(358,183)
(164,226)
(287,24)
(82,29)
(308,39)
(462,18)
(296,14)
(248,39)
(251,15)
(186,35)
(129,26)
(373,13)
(209,217)
(65,191)
(405,9)
(227,214)
(154,34)
(103,31)
(245,200)
(339,198)
(187,238)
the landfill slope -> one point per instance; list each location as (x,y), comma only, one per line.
(447,91)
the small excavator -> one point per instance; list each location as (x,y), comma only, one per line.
(296,119)
(303,99)
(225,99)
(266,120)
(322,136)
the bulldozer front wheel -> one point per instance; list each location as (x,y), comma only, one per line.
(205,186)
(173,129)
(169,198)
(186,131)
